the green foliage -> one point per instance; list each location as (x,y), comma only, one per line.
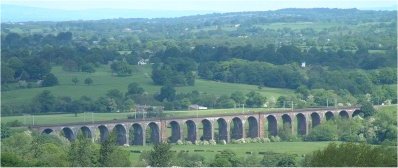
(323,132)
(10,159)
(88,81)
(255,99)
(50,80)
(166,92)
(5,131)
(75,80)
(271,159)
(134,88)
(367,109)
(82,152)
(160,156)
(185,159)
(111,155)
(121,68)
(45,101)
(353,155)
(227,158)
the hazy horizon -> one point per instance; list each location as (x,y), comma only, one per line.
(62,10)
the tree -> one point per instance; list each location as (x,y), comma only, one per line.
(367,109)
(238,97)
(134,88)
(7,74)
(88,68)
(166,92)
(255,99)
(45,100)
(161,155)
(324,132)
(121,68)
(227,158)
(81,152)
(75,80)
(353,155)
(50,80)
(88,81)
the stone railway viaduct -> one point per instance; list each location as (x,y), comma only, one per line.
(222,127)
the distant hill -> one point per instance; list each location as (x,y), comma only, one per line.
(16,13)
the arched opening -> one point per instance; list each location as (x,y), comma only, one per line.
(272,125)
(68,133)
(253,127)
(86,132)
(191,133)
(104,133)
(136,134)
(222,130)
(236,128)
(47,131)
(329,115)
(301,124)
(316,119)
(286,130)
(344,114)
(207,130)
(153,132)
(357,112)
(175,132)
(120,132)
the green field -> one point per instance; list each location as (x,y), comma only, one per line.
(298,148)
(104,81)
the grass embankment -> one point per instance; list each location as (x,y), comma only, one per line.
(104,81)
(298,148)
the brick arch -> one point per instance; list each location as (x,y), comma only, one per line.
(175,131)
(272,125)
(138,134)
(104,133)
(236,128)
(344,114)
(121,134)
(207,130)
(253,127)
(47,131)
(222,129)
(329,115)
(86,132)
(191,133)
(315,119)
(68,133)
(301,124)
(154,133)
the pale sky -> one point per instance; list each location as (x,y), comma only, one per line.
(202,5)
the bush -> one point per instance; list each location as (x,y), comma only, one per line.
(222,142)
(212,142)
(275,139)
(179,142)
(50,80)
(323,132)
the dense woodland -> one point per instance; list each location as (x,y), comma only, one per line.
(343,54)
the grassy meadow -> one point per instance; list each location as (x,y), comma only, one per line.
(104,81)
(209,151)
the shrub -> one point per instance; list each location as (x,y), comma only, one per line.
(212,142)
(275,139)
(179,142)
